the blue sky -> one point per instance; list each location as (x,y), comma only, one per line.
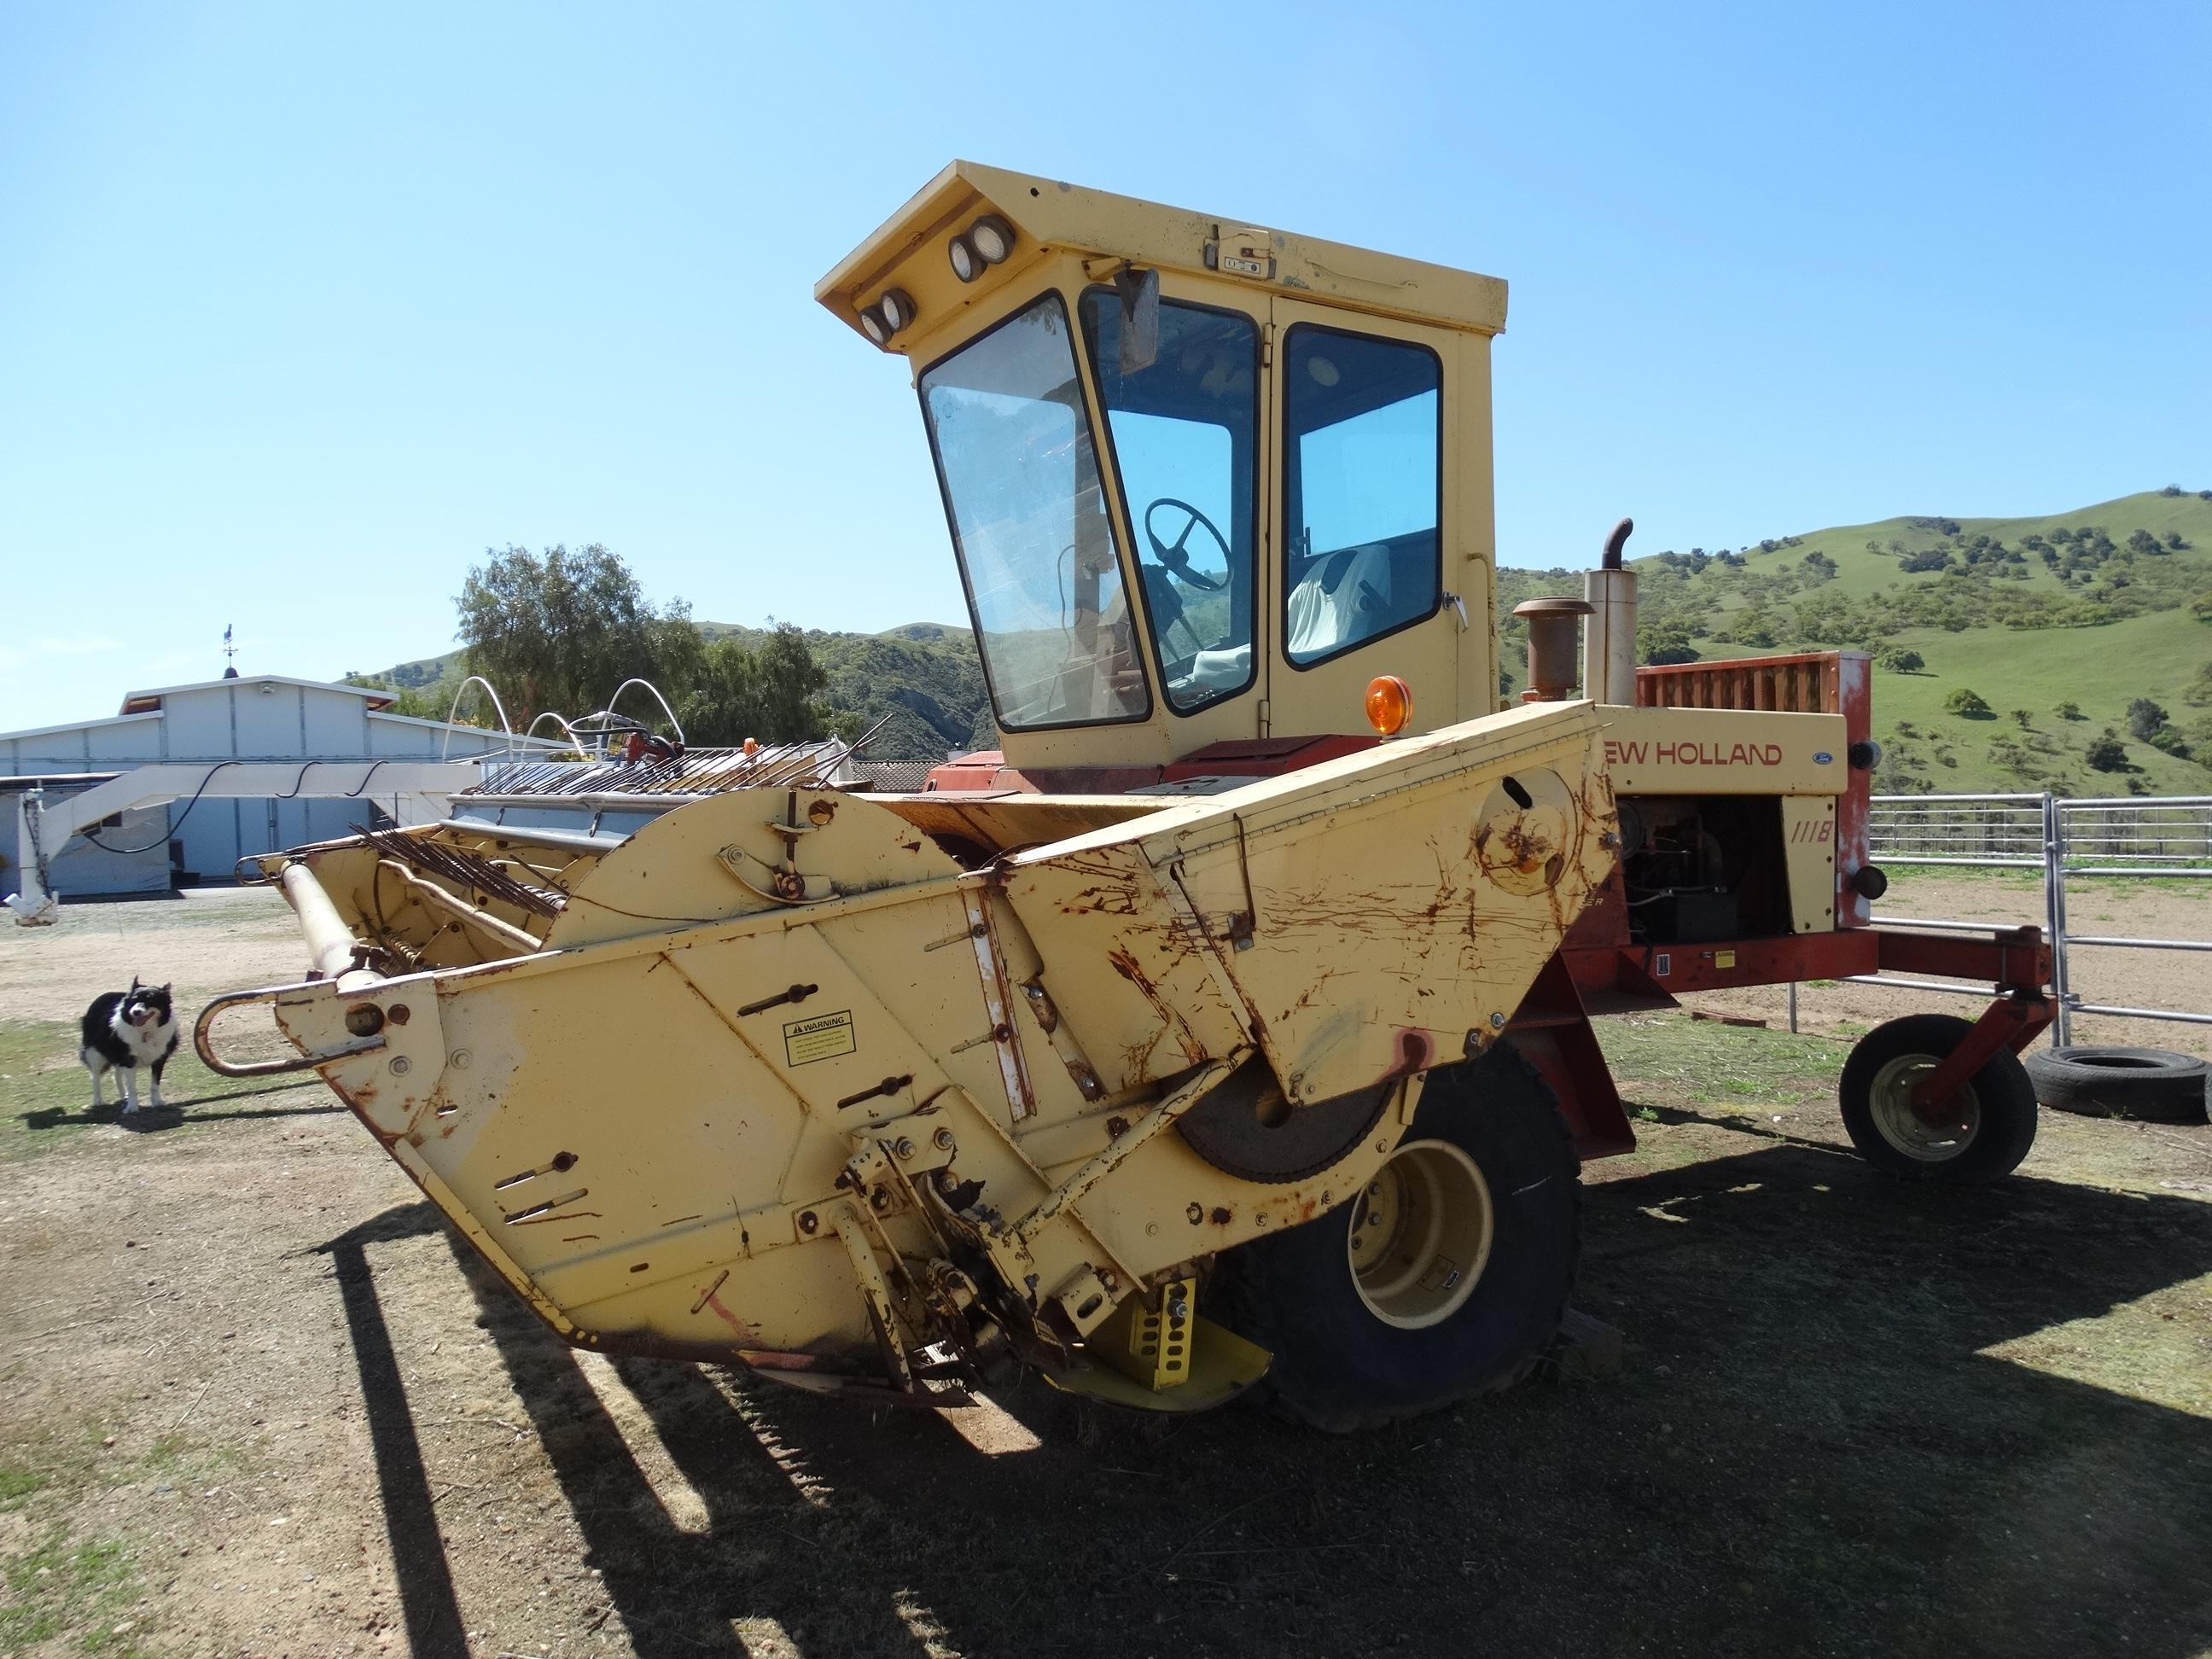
(302,308)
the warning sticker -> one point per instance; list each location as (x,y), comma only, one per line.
(824,1037)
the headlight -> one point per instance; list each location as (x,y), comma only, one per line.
(873,326)
(967,264)
(896,309)
(993,237)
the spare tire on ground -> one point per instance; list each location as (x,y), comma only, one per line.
(2153,1084)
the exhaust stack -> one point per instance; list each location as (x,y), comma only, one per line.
(1609,642)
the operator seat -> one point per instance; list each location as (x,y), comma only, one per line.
(1343,598)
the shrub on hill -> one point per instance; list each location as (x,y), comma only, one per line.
(2108,753)
(2068,710)
(1968,705)
(1899,660)
(2145,718)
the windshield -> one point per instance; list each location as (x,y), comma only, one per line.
(1183,428)
(1020,476)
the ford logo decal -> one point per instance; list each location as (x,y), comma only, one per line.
(1823,758)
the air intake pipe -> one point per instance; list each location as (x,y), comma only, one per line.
(1609,641)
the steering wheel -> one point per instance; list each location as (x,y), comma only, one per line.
(1173,556)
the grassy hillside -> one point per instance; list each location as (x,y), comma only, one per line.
(2028,614)
(2026,617)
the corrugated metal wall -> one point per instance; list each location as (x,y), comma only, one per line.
(244,719)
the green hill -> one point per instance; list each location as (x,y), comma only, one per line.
(2095,608)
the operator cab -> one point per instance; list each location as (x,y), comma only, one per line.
(1203,483)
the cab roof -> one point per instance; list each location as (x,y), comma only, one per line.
(1047,214)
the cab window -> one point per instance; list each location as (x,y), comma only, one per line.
(1016,461)
(1362,441)
(1184,430)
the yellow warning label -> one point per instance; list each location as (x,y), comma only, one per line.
(824,1037)
(1721,959)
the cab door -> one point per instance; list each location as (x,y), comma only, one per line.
(1363,423)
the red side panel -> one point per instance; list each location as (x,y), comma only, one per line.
(1552,1032)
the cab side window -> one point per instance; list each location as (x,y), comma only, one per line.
(1363,442)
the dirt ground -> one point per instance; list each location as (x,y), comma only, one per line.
(258,1403)
(2117,976)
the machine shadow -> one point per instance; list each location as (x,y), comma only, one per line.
(428,1604)
(1810,1452)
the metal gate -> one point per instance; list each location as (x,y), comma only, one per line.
(2161,837)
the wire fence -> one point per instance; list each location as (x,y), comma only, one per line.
(2161,837)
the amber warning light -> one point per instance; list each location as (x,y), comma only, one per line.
(1389,704)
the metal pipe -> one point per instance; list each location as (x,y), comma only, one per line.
(532,836)
(1948,926)
(1984,992)
(2143,944)
(1966,863)
(2142,1013)
(2054,911)
(331,944)
(505,931)
(1956,797)
(2097,870)
(1609,642)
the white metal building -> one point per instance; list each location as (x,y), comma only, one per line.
(256,717)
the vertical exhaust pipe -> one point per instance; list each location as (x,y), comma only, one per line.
(1609,642)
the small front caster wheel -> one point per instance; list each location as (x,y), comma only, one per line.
(1980,1134)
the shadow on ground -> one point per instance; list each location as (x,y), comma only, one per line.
(1808,1453)
(170,1115)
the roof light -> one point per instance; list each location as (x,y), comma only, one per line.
(992,238)
(1389,704)
(967,264)
(897,308)
(873,326)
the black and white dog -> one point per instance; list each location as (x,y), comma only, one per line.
(123,1031)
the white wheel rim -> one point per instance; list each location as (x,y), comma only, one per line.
(1890,1102)
(1419,1236)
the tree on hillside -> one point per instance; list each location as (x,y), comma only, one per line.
(771,693)
(2107,753)
(2201,606)
(2145,718)
(2068,710)
(563,630)
(1668,642)
(1899,660)
(1970,705)
(2023,718)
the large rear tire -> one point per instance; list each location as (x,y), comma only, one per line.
(1984,1131)
(1443,1278)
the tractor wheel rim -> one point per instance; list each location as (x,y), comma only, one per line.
(1420,1235)
(1891,1101)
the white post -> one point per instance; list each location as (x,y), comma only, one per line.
(35,906)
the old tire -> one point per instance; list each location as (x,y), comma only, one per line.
(2154,1084)
(1987,1131)
(1365,1322)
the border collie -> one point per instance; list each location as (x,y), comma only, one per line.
(123,1031)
